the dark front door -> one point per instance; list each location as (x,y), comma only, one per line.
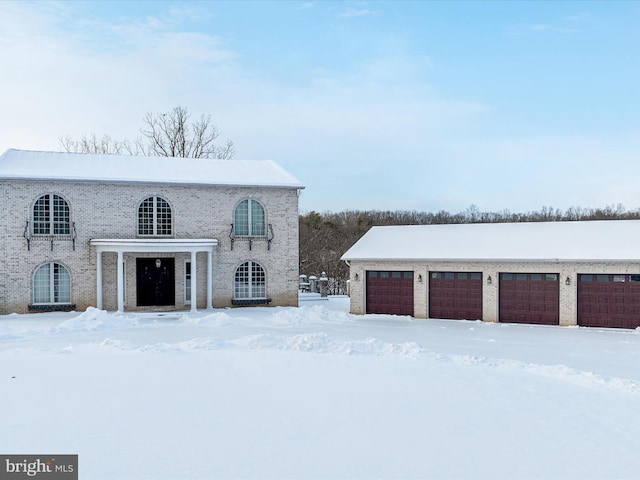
(156,284)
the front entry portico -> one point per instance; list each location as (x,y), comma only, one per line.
(153,246)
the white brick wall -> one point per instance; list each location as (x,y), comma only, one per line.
(102,210)
(568,293)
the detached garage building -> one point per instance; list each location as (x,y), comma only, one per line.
(556,273)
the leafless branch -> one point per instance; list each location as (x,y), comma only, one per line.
(164,134)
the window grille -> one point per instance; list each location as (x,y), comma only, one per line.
(250,281)
(51,216)
(51,284)
(154,217)
(249,219)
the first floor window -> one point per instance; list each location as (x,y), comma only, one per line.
(250,281)
(187,282)
(51,284)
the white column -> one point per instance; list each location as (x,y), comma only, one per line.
(209,279)
(120,281)
(194,283)
(99,280)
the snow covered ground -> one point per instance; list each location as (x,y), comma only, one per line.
(314,392)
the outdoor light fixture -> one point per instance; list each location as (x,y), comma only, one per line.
(419,278)
(356,277)
(567,281)
(489,281)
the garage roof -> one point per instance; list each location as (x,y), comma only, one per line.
(543,241)
(33,165)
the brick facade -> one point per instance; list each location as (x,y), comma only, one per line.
(110,211)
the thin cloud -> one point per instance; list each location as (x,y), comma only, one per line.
(579,17)
(565,25)
(350,12)
(540,28)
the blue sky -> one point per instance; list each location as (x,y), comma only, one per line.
(372,105)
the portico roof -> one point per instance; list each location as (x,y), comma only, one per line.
(153,244)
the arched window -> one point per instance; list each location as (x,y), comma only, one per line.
(154,217)
(249,219)
(51,216)
(250,281)
(51,284)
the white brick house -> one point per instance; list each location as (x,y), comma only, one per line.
(556,273)
(128,232)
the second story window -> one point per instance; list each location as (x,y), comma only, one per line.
(51,216)
(249,219)
(154,217)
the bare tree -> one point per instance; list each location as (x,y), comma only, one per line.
(167,134)
(105,144)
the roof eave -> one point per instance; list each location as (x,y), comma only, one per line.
(492,260)
(151,181)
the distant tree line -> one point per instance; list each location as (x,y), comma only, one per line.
(325,237)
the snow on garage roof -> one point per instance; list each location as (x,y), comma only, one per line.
(32,165)
(545,241)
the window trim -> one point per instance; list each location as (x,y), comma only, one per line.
(51,285)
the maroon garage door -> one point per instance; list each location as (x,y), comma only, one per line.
(390,292)
(609,301)
(530,298)
(455,295)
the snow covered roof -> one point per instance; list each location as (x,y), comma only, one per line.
(32,165)
(545,241)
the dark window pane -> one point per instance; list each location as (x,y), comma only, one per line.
(463,276)
(586,278)
(384,274)
(396,274)
(634,278)
(521,277)
(551,277)
(408,274)
(506,276)
(476,276)
(602,278)
(448,275)
(536,277)
(372,274)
